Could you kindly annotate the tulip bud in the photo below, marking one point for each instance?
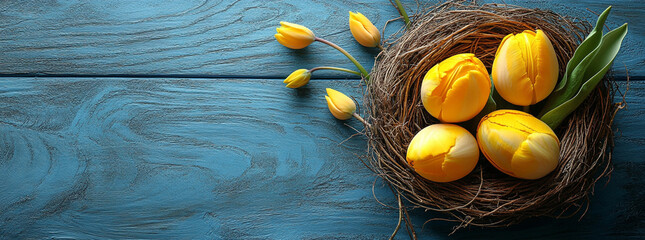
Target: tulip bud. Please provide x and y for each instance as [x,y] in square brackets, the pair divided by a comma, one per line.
[443,152]
[363,30]
[525,69]
[518,144]
[456,89]
[340,105]
[294,36]
[298,78]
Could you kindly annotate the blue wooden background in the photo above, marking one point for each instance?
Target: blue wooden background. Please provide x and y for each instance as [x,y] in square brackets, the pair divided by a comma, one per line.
[169,119]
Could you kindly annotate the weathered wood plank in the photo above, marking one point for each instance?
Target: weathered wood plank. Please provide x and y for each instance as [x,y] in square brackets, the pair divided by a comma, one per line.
[189,158]
[220,38]
[203,158]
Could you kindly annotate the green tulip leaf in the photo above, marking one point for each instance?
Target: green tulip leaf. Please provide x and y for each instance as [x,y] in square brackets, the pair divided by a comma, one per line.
[576,67]
[609,47]
[585,48]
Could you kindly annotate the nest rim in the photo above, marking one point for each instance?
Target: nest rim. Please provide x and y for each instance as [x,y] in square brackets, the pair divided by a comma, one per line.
[486,197]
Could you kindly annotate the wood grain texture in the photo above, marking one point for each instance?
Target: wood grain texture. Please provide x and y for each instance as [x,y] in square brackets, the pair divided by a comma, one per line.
[221,38]
[201,158]
[189,158]
[240,156]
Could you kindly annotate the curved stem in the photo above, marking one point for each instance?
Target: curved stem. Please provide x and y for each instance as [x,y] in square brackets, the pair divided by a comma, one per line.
[362,120]
[335,68]
[404,14]
[358,65]
[380,47]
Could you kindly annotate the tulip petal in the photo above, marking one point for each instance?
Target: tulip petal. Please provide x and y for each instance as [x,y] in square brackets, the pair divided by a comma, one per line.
[361,34]
[283,41]
[295,84]
[363,30]
[527,39]
[537,156]
[525,68]
[499,144]
[501,44]
[299,79]
[340,105]
[295,39]
[335,111]
[369,27]
[520,122]
[431,167]
[456,89]
[342,101]
[466,96]
[294,36]
[547,66]
[518,144]
[459,160]
[510,73]
[300,76]
[443,152]
[297,27]
[431,92]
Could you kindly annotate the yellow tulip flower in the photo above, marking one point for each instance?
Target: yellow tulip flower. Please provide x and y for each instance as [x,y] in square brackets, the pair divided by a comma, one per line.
[443,152]
[518,144]
[456,89]
[363,30]
[298,78]
[294,36]
[525,69]
[340,105]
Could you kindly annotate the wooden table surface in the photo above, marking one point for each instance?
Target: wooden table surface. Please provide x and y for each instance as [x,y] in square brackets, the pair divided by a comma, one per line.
[169,120]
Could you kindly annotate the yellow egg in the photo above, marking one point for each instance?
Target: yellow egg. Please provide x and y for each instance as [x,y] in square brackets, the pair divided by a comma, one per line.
[456,89]
[518,144]
[443,152]
[525,69]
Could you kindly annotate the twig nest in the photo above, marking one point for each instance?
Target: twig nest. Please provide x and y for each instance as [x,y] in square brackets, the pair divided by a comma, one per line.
[486,196]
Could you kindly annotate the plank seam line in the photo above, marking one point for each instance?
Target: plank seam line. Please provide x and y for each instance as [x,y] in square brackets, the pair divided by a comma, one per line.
[204,76]
[40,75]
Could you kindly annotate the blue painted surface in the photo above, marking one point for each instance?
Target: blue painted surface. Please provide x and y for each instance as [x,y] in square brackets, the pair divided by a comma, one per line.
[179,157]
[225,157]
[222,38]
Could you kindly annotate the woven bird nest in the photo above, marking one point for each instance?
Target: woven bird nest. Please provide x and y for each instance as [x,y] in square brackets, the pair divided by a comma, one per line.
[486,197]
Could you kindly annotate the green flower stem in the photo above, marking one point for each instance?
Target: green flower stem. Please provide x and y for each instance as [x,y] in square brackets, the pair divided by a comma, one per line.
[404,14]
[358,65]
[336,69]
